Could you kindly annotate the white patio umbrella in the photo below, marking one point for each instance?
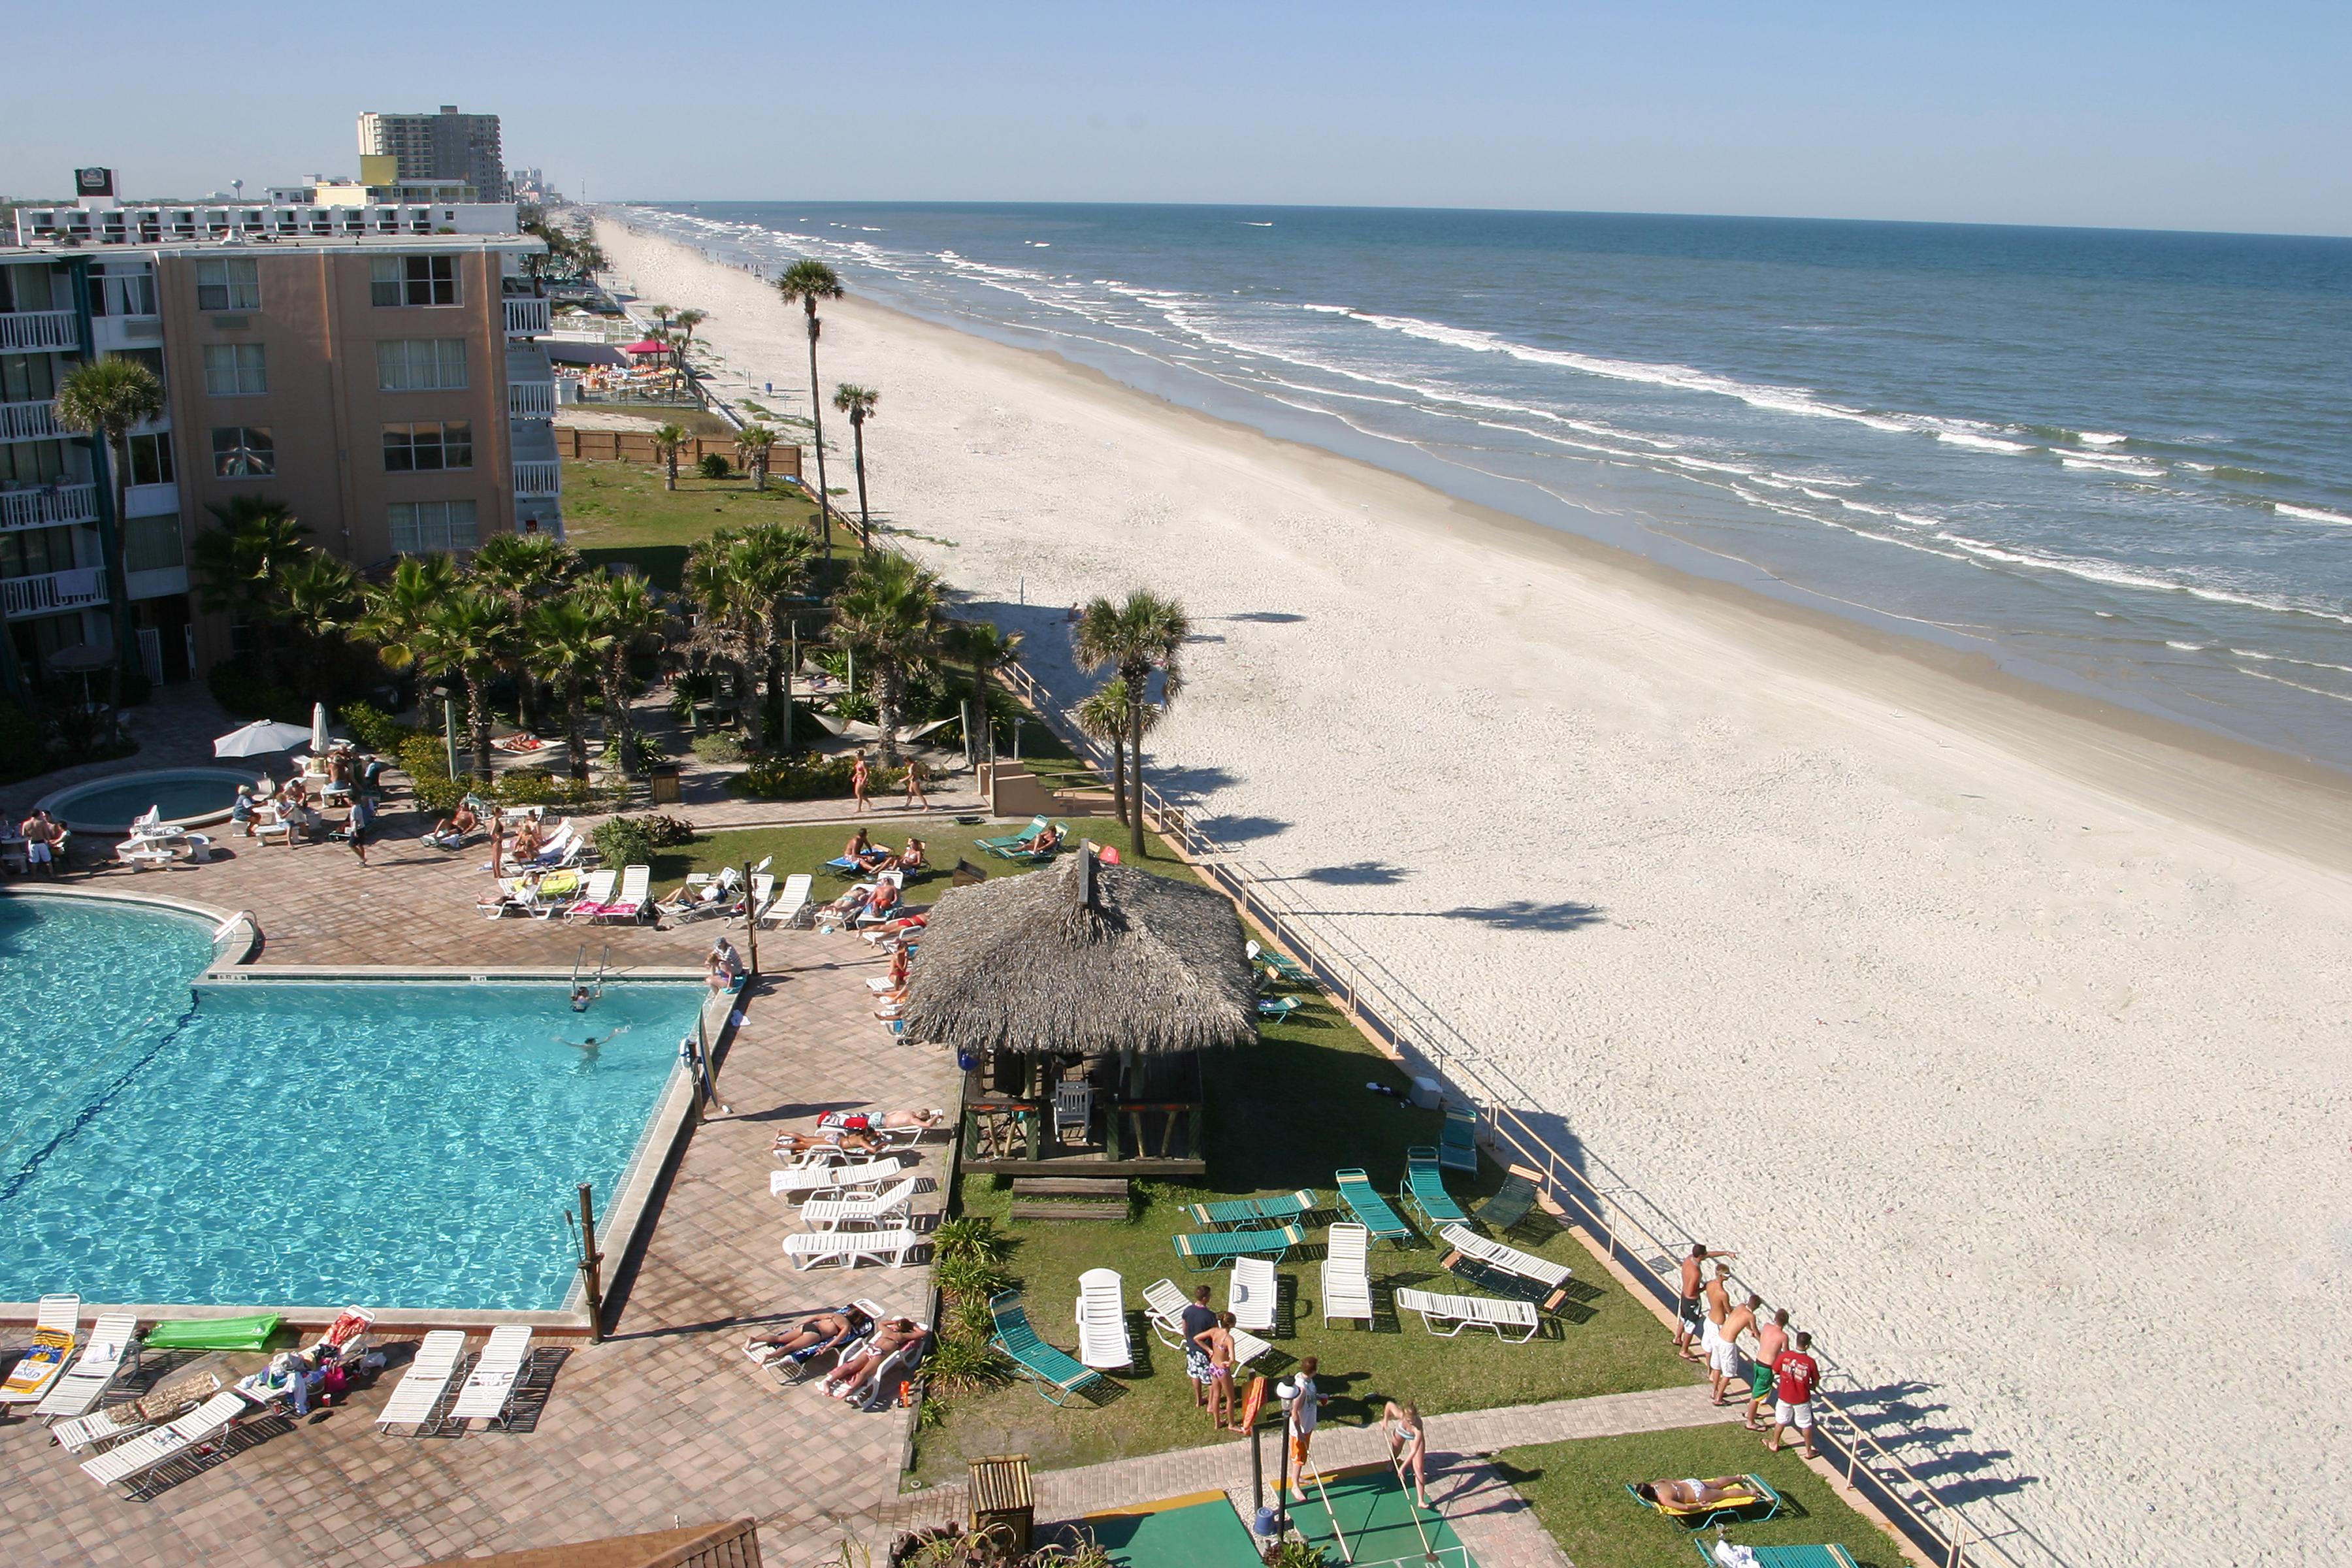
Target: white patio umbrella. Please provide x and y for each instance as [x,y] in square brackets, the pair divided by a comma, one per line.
[317,729]
[259,738]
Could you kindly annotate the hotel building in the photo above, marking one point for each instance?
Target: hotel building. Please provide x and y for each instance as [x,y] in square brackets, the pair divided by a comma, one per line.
[444,146]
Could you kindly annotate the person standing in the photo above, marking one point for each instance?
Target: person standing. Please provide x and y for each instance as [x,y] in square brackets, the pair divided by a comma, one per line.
[1795,1375]
[1198,1318]
[860,775]
[361,826]
[38,853]
[1408,1445]
[1771,1340]
[1219,1343]
[498,845]
[1727,1365]
[915,800]
[1304,1403]
[1687,1309]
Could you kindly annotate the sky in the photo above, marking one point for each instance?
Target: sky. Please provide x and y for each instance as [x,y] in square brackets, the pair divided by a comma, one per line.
[2155,115]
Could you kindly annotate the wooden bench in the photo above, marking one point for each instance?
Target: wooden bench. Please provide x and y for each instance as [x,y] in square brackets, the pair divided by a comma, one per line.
[1070,1197]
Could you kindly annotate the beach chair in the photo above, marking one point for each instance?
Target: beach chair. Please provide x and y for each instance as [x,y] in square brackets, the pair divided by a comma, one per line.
[1253,1293]
[1037,856]
[1074,1107]
[792,906]
[846,1247]
[1514,1321]
[1279,1210]
[412,1403]
[879,1211]
[1752,1502]
[113,1339]
[870,917]
[489,1392]
[789,1372]
[1163,1308]
[1284,968]
[897,1362]
[636,881]
[1203,1252]
[763,898]
[1278,1007]
[1425,1189]
[1509,1206]
[1021,840]
[55,1323]
[1102,1320]
[1371,1210]
[1347,1274]
[1551,1277]
[1055,1374]
[127,1464]
[831,1180]
[595,893]
[101,1427]
[1457,1144]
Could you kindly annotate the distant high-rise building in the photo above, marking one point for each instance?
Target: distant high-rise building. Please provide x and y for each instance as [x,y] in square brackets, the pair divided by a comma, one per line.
[444,146]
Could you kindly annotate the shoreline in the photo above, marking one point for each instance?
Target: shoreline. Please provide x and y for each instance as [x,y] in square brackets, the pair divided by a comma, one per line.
[1955,1002]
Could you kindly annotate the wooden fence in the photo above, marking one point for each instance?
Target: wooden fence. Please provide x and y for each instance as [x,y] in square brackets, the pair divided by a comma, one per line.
[637,447]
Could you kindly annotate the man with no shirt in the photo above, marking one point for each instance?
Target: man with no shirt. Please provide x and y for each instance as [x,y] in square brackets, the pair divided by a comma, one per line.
[1687,1309]
[1727,1365]
[1771,1340]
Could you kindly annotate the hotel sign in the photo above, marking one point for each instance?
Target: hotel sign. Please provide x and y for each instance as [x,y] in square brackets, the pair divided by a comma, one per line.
[93,181]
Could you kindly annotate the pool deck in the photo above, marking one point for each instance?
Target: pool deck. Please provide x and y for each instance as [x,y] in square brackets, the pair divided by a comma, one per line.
[664,1420]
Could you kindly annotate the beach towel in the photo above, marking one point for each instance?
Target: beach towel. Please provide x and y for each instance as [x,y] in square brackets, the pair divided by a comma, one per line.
[40,1365]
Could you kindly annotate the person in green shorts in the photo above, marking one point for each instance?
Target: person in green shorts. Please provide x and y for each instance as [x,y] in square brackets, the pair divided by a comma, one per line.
[1771,1340]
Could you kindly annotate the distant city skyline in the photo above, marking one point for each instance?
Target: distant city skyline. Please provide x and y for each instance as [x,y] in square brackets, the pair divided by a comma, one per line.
[2156,116]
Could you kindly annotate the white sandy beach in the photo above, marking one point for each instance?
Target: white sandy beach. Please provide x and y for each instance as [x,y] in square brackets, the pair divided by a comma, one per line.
[2009,1046]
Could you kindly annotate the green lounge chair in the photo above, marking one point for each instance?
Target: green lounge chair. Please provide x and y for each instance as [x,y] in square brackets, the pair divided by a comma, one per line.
[1278,1007]
[1253,1211]
[1286,969]
[1425,1189]
[1027,856]
[248,1333]
[1371,1209]
[1201,1253]
[1020,840]
[1457,1147]
[1056,1374]
[1757,1495]
[1789,1556]
[1509,1206]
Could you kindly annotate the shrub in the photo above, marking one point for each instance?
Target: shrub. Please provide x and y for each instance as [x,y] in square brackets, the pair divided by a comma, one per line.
[857,707]
[969,1278]
[970,1236]
[799,776]
[958,1365]
[718,746]
[373,729]
[528,787]
[685,690]
[241,689]
[713,466]
[644,752]
[623,841]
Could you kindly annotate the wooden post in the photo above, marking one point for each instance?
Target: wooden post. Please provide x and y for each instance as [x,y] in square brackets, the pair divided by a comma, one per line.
[589,1261]
[751,917]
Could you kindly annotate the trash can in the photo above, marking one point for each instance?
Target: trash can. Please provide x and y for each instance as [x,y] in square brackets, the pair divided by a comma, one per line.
[661,784]
[1001,1500]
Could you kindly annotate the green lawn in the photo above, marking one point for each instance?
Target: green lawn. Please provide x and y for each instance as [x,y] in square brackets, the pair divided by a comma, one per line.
[808,848]
[1577,1491]
[620,511]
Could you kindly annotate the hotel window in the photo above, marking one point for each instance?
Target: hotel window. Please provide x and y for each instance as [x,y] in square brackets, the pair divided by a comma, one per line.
[243,452]
[151,460]
[230,283]
[428,446]
[420,365]
[433,527]
[152,543]
[235,370]
[413,281]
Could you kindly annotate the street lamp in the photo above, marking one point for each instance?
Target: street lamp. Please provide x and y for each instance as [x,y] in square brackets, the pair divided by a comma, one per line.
[448,725]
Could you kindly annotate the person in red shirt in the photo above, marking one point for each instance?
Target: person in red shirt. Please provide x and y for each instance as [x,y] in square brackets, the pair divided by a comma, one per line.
[1794,1375]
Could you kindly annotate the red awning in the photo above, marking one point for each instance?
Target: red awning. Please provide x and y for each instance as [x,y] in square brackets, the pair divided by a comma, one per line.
[647,346]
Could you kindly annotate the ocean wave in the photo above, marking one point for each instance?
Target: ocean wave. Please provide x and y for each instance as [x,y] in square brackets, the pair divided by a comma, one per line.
[2100,439]
[2185,647]
[2115,576]
[2286,659]
[2310,514]
[2094,463]
[1981,443]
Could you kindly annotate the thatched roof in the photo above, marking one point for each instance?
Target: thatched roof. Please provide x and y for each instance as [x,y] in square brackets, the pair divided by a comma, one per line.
[1084,958]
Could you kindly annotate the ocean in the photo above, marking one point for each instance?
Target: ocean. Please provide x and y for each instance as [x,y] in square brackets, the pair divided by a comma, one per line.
[2117,462]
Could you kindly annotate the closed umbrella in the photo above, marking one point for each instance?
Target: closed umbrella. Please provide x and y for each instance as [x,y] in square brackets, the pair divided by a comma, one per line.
[317,729]
[259,738]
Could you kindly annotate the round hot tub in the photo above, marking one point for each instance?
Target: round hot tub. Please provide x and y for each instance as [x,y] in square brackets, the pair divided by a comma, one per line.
[183,797]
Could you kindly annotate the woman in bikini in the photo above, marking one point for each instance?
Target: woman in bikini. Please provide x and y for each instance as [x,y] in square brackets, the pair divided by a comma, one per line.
[1217,1338]
[1408,1445]
[1693,1491]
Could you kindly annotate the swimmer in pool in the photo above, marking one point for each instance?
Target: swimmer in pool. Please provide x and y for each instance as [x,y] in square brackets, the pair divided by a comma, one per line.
[580,997]
[591,1043]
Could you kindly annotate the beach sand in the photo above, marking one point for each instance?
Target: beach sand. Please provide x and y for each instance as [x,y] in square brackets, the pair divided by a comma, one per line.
[2003,1036]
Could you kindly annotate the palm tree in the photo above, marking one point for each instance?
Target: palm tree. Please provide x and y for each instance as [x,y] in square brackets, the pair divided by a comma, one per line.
[237,563]
[752,443]
[987,647]
[859,402]
[322,599]
[627,615]
[468,634]
[103,400]
[404,620]
[565,642]
[890,612]
[668,442]
[728,621]
[806,283]
[525,570]
[687,321]
[770,565]
[1145,634]
[1103,717]
[662,314]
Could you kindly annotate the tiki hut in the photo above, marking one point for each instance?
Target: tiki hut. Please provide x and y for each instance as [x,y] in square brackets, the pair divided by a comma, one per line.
[1079,999]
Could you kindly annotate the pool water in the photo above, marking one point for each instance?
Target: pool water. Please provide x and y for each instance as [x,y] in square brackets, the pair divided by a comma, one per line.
[268,1142]
[113,804]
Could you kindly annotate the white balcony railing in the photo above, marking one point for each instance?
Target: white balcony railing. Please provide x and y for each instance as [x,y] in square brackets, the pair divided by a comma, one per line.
[537,478]
[531,399]
[29,421]
[48,508]
[529,318]
[52,591]
[31,332]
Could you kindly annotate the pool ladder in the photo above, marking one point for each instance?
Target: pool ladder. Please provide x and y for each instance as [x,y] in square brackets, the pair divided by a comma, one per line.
[596,980]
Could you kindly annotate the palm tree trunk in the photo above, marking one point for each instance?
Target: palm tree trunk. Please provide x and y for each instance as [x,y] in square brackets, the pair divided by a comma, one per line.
[816,422]
[118,583]
[759,470]
[670,481]
[985,735]
[891,697]
[754,713]
[575,722]
[1135,744]
[478,719]
[616,708]
[778,692]
[865,522]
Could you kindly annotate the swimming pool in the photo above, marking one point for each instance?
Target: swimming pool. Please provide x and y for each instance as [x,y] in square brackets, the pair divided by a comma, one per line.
[189,797]
[407,1146]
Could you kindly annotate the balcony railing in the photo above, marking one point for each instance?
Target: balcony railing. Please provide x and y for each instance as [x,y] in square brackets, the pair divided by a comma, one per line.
[31,332]
[52,593]
[529,318]
[531,399]
[537,478]
[29,421]
[48,508]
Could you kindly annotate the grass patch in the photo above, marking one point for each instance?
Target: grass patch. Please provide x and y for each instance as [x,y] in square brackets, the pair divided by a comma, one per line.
[1577,1490]
[621,512]
[808,848]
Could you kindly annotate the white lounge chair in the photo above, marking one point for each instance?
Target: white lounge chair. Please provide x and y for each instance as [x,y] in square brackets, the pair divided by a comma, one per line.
[77,1432]
[792,906]
[125,1465]
[1346,1275]
[1552,1277]
[595,893]
[847,1247]
[831,1181]
[763,893]
[113,1339]
[824,1155]
[55,1323]
[1163,1307]
[1102,1320]
[636,882]
[421,1387]
[1250,1293]
[881,1211]
[1461,1311]
[488,1393]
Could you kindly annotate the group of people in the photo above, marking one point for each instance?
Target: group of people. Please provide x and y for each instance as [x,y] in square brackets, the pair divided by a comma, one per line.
[856,1131]
[1782,1375]
[874,858]
[300,807]
[861,780]
[864,1349]
[45,843]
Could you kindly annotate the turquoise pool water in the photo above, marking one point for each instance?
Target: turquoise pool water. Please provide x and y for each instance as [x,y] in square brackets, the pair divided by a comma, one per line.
[112,805]
[267,1142]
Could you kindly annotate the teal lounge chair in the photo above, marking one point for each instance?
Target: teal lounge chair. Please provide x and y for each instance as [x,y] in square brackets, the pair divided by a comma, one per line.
[1253,1211]
[1789,1556]
[1056,1374]
[1457,1148]
[1425,1189]
[1287,970]
[1371,1209]
[1509,1206]
[1278,1007]
[1020,840]
[1028,857]
[1202,1253]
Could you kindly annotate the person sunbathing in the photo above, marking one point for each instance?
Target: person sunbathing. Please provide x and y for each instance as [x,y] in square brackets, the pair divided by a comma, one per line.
[1694,1492]
[882,900]
[846,1141]
[865,852]
[809,1338]
[451,830]
[847,907]
[853,1379]
[910,859]
[1046,843]
[527,841]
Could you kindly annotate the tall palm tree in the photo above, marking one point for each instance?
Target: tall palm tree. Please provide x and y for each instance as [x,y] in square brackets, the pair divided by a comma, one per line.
[806,283]
[1103,716]
[770,565]
[753,445]
[987,647]
[525,570]
[322,600]
[1144,635]
[102,400]
[859,402]
[566,642]
[237,565]
[409,620]
[627,615]
[662,314]
[469,634]
[687,321]
[890,612]
[668,442]
[729,622]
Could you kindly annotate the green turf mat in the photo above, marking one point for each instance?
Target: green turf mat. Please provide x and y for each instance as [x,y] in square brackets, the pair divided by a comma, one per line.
[1202,1535]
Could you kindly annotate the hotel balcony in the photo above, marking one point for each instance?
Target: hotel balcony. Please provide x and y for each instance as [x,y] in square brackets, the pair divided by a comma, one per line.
[35,331]
[530,384]
[533,478]
[52,593]
[529,318]
[29,421]
[49,506]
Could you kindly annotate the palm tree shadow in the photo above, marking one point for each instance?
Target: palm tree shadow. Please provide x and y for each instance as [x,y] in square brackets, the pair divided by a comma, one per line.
[1356,874]
[1527,914]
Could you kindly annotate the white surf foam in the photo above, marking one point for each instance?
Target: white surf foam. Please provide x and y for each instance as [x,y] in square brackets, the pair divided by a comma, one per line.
[2310,514]
[1981,443]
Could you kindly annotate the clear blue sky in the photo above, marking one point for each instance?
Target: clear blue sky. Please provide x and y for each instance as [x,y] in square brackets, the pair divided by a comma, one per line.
[2151,115]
